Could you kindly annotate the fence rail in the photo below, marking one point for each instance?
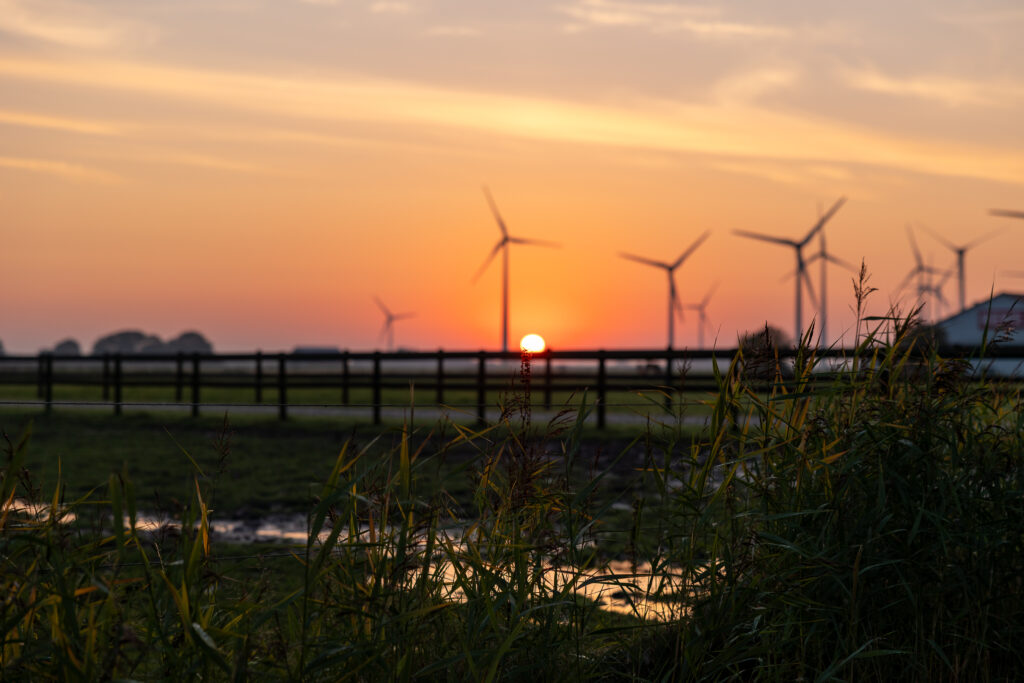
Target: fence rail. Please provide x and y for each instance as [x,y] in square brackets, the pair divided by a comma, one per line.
[441,374]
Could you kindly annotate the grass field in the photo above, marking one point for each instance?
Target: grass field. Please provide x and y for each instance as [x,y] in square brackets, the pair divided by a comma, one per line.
[866,527]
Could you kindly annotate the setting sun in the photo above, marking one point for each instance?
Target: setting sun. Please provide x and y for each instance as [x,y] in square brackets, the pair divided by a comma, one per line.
[532,343]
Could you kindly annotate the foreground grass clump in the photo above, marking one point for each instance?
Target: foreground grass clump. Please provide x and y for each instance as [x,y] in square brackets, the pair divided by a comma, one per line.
[859,523]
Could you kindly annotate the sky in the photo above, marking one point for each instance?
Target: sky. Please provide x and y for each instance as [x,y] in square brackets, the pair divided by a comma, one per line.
[260,170]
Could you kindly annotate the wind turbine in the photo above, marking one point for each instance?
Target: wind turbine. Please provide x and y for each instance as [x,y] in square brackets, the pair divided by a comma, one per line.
[389,319]
[702,314]
[960,251]
[825,257]
[801,265]
[670,269]
[1005,213]
[502,246]
[921,271]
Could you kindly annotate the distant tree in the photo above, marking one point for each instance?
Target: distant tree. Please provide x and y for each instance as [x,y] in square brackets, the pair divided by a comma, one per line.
[190,342]
[68,347]
[129,341]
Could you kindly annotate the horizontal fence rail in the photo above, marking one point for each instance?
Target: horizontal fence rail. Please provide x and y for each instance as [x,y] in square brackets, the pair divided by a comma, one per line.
[459,379]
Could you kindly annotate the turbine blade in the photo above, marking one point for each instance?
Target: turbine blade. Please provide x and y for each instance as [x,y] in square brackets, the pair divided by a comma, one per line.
[487,261]
[810,287]
[978,240]
[824,219]
[1005,213]
[673,295]
[907,280]
[692,248]
[707,297]
[647,261]
[766,238]
[382,307]
[497,214]
[840,262]
[538,243]
[384,330]
[949,245]
[403,316]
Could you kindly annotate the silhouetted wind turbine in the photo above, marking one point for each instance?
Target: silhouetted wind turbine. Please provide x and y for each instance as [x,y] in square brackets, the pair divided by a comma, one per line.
[502,246]
[1005,213]
[702,314]
[960,251]
[801,265]
[826,257]
[389,319]
[670,269]
[921,271]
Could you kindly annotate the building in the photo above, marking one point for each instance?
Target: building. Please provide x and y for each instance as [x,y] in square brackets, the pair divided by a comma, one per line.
[1001,316]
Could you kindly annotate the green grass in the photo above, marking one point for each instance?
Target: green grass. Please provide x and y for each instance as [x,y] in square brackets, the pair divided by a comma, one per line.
[865,527]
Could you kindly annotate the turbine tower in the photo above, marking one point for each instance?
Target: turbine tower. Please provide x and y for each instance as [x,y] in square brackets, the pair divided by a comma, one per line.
[960,251]
[702,314]
[389,323]
[670,269]
[801,265]
[502,246]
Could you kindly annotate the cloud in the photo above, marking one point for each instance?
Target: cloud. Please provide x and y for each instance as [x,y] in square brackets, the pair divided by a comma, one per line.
[59,168]
[663,18]
[70,24]
[729,129]
[14,118]
[752,85]
[952,92]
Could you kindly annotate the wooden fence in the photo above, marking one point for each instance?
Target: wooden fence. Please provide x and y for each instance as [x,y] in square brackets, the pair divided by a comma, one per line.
[438,373]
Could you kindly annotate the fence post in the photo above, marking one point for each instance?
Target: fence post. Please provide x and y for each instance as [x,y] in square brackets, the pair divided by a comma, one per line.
[196,383]
[41,375]
[282,387]
[48,391]
[179,377]
[259,377]
[376,387]
[601,389]
[668,381]
[344,377]
[481,388]
[547,379]
[117,384]
[440,376]
[106,376]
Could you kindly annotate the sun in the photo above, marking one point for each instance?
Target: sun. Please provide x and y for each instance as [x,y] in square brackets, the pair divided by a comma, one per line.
[532,343]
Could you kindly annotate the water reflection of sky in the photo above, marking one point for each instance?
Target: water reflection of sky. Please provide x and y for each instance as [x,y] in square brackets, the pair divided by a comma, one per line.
[618,586]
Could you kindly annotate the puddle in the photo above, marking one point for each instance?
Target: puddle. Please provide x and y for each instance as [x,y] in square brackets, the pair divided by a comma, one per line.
[618,586]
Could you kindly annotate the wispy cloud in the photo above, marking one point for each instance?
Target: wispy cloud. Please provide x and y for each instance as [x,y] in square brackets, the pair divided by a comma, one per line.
[749,86]
[786,173]
[17,118]
[70,24]
[731,129]
[59,168]
[663,17]
[953,92]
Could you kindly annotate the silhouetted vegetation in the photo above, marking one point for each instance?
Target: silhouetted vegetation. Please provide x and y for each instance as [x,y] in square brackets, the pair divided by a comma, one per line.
[860,525]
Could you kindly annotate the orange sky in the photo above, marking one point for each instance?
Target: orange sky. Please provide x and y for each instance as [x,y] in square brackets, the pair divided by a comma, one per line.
[260,170]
